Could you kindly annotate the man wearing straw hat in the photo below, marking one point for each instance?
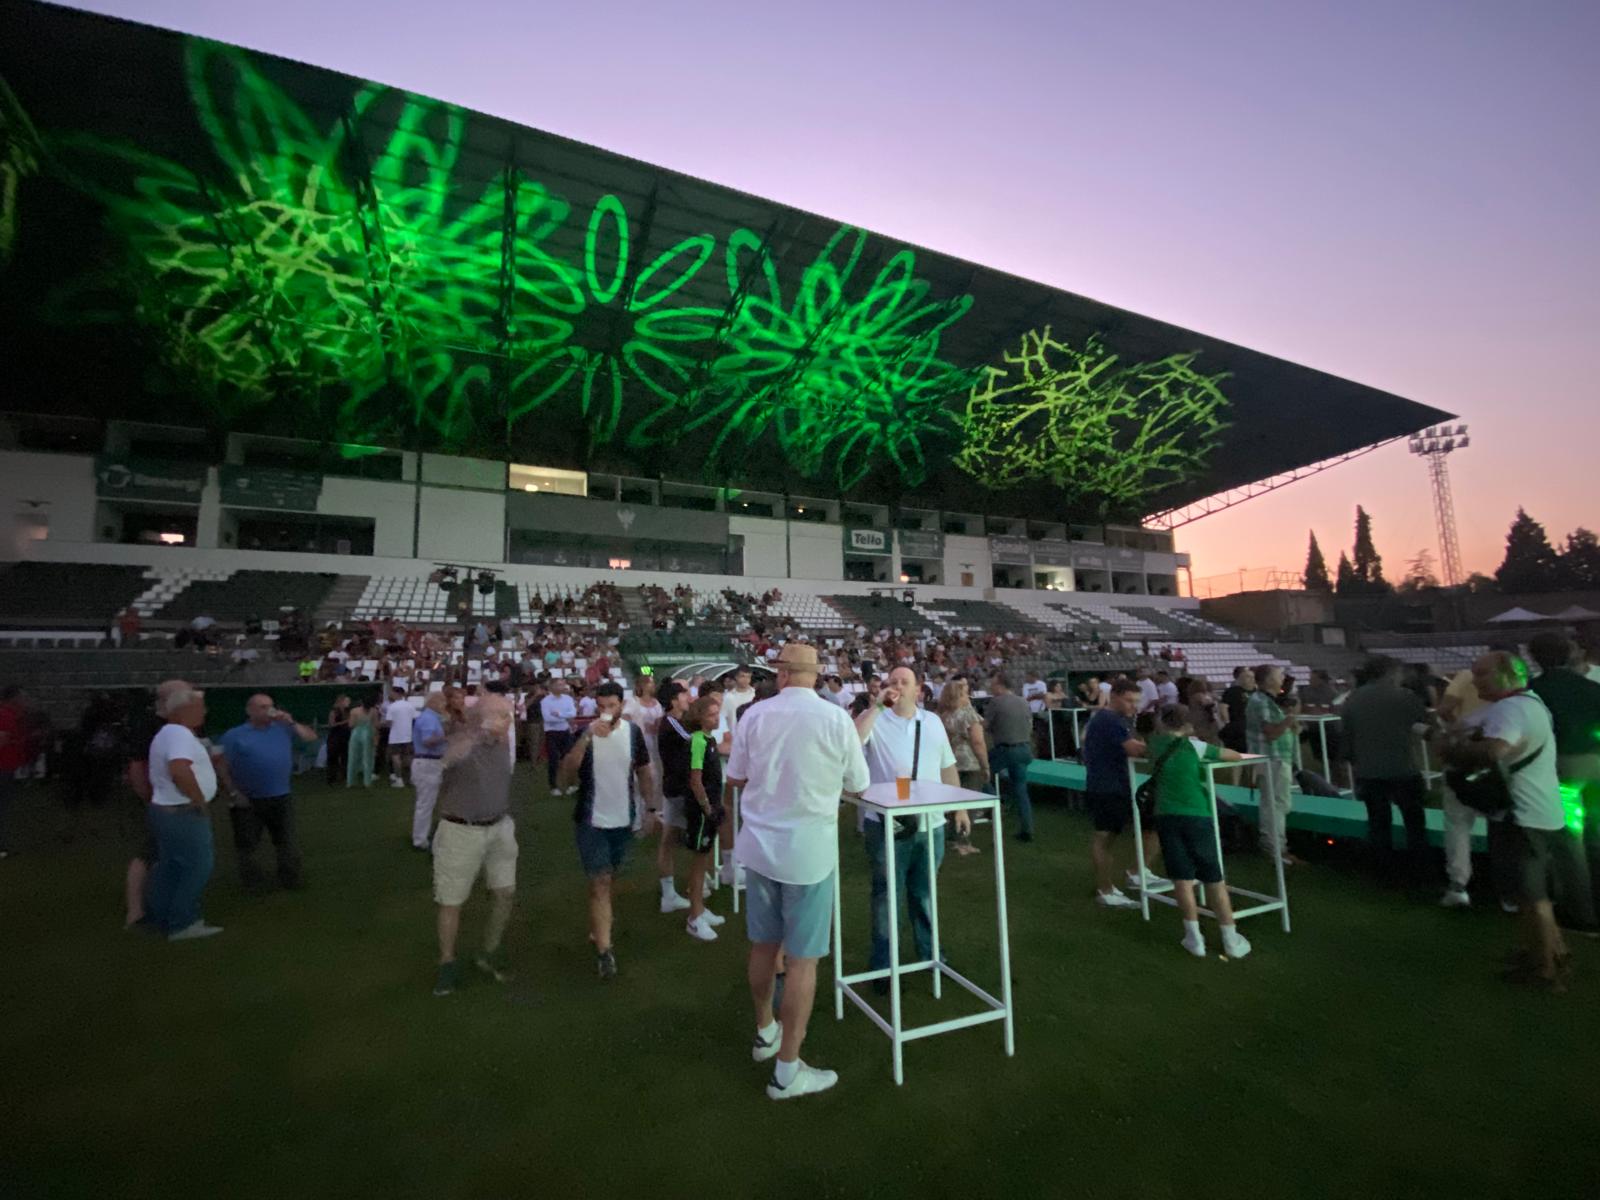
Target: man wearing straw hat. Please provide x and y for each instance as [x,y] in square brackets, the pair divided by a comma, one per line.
[793,756]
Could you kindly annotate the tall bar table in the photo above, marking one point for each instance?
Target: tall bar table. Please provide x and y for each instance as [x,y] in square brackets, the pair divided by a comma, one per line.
[929,803]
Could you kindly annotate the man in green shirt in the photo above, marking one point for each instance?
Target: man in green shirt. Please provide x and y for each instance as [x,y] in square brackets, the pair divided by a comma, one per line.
[1185,822]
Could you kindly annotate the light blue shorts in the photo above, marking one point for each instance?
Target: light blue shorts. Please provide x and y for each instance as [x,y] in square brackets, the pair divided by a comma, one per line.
[800,915]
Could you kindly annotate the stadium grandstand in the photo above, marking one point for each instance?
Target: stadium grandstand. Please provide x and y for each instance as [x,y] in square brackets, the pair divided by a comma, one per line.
[353,332]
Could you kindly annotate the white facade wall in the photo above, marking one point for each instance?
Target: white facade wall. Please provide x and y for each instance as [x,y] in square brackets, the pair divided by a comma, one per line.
[59,487]
[459,525]
[392,507]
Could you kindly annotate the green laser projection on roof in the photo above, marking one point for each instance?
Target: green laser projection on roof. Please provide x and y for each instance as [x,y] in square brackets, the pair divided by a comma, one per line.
[191,232]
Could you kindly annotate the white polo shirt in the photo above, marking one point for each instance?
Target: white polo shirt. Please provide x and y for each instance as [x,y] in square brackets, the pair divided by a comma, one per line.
[893,739]
[797,753]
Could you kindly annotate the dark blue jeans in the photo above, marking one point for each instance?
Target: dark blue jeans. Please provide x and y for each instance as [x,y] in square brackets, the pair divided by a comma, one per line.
[913,883]
[556,744]
[1012,762]
[184,858]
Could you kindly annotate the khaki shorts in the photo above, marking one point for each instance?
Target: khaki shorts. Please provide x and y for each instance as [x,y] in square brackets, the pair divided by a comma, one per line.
[461,851]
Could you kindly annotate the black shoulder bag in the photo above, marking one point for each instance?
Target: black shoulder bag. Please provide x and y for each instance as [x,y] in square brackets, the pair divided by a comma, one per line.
[1146,795]
[1487,789]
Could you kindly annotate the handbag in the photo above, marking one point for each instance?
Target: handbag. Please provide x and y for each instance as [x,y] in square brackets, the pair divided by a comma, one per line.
[1145,795]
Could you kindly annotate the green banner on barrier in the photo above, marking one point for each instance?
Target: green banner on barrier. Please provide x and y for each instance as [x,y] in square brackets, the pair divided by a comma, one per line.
[131,478]
[270,487]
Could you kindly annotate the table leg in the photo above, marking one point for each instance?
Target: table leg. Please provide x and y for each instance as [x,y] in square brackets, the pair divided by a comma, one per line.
[1050,725]
[733,816]
[933,898]
[1138,844]
[838,940]
[894,948]
[1283,887]
[1322,739]
[1005,931]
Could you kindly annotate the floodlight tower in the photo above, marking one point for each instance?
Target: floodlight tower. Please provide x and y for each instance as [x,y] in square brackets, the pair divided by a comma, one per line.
[1433,443]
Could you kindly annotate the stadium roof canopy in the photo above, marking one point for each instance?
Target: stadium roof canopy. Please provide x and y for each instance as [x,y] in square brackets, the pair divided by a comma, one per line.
[199,232]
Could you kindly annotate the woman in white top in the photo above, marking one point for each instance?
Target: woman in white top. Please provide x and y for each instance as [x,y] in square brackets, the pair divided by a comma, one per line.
[182,784]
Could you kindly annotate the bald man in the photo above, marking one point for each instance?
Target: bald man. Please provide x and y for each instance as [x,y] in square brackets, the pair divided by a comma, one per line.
[257,761]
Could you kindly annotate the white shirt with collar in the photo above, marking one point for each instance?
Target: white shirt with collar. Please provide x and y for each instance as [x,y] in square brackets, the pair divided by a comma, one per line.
[798,754]
[557,712]
[890,745]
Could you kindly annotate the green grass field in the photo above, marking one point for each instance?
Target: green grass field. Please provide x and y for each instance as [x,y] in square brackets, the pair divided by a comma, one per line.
[1372,1053]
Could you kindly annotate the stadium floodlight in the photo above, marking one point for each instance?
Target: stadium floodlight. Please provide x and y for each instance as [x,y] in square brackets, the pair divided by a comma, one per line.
[1433,444]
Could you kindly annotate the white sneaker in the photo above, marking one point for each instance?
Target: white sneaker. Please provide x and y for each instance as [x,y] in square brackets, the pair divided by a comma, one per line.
[1195,944]
[806,1081]
[1455,898]
[396,781]
[712,919]
[708,888]
[732,878]
[674,903]
[762,1051]
[1510,907]
[700,930]
[1115,898]
[1234,944]
[1151,880]
[198,930]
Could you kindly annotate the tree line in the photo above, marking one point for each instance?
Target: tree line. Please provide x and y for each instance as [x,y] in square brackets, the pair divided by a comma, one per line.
[1532,564]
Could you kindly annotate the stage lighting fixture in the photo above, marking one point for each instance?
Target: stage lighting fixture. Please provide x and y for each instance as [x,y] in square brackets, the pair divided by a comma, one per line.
[485,583]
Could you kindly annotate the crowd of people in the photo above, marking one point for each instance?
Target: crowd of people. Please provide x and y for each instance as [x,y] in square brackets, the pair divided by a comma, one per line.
[662,764]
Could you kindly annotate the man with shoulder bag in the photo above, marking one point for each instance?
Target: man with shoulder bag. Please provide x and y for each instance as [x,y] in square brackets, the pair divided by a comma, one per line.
[1505,767]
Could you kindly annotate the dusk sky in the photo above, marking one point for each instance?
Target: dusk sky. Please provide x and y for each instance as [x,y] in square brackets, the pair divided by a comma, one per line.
[1406,193]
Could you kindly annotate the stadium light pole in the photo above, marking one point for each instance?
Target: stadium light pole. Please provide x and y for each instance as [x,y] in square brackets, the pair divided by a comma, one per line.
[1434,444]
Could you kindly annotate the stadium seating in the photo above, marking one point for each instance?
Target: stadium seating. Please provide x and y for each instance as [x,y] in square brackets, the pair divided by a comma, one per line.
[880,612]
[982,616]
[67,593]
[239,595]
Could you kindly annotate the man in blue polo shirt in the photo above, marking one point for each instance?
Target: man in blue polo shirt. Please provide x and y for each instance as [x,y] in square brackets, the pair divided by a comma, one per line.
[259,759]
[1108,743]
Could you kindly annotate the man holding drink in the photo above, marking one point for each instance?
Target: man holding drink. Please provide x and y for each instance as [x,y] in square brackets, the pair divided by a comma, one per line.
[903,743]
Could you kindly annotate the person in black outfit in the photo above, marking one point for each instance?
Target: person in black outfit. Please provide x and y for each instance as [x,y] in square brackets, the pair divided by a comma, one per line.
[338,739]
[1235,698]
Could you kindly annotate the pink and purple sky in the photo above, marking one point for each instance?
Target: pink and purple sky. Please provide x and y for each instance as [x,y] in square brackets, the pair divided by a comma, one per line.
[1406,194]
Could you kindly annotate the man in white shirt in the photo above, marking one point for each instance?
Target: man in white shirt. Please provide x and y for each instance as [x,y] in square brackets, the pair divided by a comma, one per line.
[557,710]
[1166,690]
[1149,696]
[737,696]
[1033,691]
[1514,732]
[398,714]
[643,711]
[793,756]
[900,738]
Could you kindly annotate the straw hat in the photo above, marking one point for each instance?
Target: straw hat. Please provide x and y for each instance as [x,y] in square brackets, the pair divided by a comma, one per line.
[798,657]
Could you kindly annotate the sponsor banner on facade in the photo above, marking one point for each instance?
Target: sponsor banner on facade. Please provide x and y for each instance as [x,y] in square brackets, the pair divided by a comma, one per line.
[269,487]
[866,541]
[1013,551]
[130,478]
[1052,552]
[921,543]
